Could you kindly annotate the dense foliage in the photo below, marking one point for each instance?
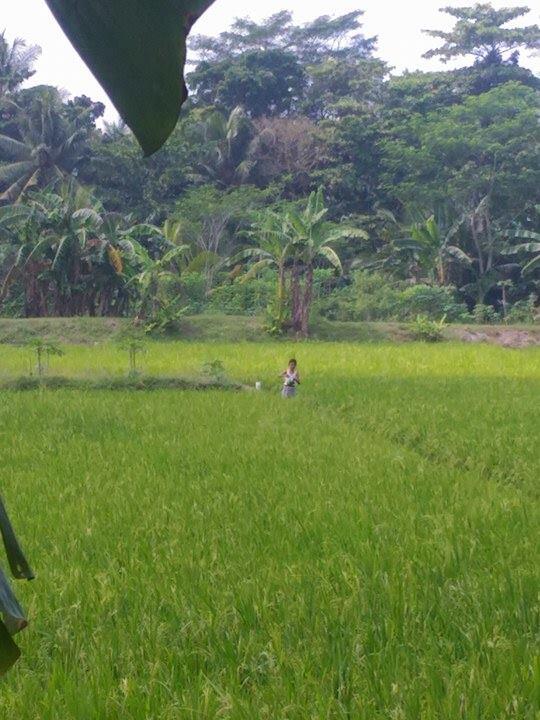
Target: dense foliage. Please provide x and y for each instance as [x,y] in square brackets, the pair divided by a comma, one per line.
[303,174]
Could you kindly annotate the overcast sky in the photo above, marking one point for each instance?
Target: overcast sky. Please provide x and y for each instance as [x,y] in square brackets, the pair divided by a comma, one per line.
[397,24]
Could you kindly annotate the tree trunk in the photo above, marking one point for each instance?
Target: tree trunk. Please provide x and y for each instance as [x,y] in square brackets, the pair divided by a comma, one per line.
[477,245]
[281,290]
[296,297]
[441,270]
[306,302]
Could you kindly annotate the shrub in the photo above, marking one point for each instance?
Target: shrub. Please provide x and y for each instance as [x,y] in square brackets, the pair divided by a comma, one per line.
[430,301]
[193,292]
[166,318]
[428,330]
[214,369]
[374,296]
[523,311]
[243,298]
[485,314]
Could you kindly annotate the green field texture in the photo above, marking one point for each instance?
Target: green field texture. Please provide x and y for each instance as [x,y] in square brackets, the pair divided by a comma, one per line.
[366,551]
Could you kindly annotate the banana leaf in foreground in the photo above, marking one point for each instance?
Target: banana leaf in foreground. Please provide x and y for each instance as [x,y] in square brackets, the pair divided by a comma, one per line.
[137,51]
[13,616]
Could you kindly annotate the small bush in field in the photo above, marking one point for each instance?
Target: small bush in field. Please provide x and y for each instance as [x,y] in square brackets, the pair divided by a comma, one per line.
[428,330]
[44,350]
[132,342]
[215,370]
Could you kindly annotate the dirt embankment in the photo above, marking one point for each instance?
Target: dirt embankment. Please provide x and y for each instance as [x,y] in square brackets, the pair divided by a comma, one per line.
[496,335]
[227,328]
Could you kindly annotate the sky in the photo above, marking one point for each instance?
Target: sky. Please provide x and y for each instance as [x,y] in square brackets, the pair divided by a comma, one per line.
[398,26]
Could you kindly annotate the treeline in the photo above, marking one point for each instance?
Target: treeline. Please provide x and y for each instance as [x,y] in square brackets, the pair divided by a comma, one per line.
[302,174]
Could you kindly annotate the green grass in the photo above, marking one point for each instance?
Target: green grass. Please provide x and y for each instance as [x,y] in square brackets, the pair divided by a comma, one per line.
[229,328]
[367,551]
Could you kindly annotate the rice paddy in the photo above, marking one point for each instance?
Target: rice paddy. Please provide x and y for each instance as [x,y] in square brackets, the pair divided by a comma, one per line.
[367,551]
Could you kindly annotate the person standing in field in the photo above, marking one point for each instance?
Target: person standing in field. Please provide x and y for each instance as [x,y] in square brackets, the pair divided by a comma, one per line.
[291,379]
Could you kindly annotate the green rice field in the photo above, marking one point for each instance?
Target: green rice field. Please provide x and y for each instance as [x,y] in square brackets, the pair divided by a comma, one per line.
[366,551]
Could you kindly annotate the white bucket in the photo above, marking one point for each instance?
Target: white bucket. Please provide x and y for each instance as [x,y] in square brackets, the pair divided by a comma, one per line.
[258,385]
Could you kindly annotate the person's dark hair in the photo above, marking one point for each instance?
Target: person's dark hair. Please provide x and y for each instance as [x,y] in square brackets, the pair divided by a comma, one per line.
[292,360]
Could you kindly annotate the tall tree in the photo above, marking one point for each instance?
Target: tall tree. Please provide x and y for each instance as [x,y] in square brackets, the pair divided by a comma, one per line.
[286,152]
[467,151]
[480,32]
[244,35]
[324,37]
[264,82]
[271,66]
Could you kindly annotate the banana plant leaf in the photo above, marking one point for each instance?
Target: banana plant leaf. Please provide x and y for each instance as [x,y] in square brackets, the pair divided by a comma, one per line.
[137,51]
[14,619]
[12,612]
[17,561]
[9,652]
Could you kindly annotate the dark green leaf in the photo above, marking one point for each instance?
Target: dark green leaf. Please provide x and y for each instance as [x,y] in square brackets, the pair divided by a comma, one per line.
[9,652]
[17,562]
[12,612]
[137,51]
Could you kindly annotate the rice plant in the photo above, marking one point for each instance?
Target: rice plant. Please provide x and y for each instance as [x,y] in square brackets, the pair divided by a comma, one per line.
[368,551]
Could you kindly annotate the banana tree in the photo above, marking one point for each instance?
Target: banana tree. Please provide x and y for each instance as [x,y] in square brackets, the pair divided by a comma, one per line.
[21,227]
[431,248]
[529,249]
[68,254]
[155,276]
[311,238]
[137,51]
[272,249]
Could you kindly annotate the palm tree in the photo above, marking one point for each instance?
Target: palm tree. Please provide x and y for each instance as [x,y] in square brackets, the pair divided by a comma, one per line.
[49,147]
[311,236]
[225,142]
[16,61]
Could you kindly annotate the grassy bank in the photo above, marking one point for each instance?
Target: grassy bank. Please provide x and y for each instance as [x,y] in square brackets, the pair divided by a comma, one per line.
[229,328]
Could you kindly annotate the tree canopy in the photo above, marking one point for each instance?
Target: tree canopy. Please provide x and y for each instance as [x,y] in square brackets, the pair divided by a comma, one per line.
[434,175]
[480,32]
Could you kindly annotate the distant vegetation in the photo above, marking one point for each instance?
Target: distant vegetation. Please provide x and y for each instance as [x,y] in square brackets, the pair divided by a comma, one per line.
[304,179]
